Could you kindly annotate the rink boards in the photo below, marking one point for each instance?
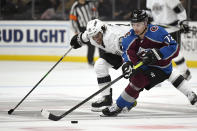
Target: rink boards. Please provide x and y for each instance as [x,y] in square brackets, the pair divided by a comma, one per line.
[48,40]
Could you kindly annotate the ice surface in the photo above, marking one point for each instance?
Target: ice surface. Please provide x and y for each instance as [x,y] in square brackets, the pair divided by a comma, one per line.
[162,108]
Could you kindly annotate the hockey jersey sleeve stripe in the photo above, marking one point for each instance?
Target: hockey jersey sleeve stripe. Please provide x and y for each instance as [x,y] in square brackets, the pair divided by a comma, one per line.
[156,41]
[125,48]
[169,51]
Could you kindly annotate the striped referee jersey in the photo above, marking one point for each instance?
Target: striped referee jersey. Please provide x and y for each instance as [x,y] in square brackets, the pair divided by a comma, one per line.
[80,14]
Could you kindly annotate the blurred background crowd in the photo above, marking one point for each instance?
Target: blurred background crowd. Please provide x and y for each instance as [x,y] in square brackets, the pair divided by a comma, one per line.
[59,9]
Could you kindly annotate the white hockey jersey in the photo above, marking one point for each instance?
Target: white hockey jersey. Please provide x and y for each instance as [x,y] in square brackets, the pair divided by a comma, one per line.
[111,38]
[163,13]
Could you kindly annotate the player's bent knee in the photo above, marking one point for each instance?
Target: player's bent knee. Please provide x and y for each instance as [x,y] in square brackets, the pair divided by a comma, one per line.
[101,68]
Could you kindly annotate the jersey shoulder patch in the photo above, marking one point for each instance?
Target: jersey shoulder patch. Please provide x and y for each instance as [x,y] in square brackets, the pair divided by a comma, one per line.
[154,28]
[156,33]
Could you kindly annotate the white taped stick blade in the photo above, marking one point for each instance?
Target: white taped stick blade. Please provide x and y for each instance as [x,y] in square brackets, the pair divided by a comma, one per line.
[45,113]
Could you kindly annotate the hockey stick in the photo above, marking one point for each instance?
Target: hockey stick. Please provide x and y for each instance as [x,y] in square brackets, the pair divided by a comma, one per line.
[53,117]
[11,110]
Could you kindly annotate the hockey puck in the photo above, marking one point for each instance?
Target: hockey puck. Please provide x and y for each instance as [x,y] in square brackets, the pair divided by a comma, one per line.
[74,122]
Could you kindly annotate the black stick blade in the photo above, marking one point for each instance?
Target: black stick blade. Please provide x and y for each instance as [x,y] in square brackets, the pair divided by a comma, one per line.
[10,111]
[54,117]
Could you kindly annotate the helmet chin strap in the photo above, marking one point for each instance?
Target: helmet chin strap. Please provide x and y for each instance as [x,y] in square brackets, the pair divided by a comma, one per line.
[143,31]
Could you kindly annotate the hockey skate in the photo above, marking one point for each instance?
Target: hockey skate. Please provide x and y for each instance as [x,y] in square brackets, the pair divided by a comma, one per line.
[114,110]
[187,75]
[193,98]
[102,103]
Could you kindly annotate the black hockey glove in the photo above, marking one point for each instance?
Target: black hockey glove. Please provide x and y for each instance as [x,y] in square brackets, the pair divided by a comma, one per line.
[151,56]
[184,27]
[76,41]
[127,69]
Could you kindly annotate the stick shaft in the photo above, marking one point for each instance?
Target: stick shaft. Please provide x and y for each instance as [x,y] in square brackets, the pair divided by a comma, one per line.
[90,97]
[56,118]
[41,79]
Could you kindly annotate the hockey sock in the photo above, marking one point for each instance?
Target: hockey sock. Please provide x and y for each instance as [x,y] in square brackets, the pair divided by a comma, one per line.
[103,81]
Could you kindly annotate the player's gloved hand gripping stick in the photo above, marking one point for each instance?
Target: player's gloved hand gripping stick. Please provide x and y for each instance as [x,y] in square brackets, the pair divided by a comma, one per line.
[53,117]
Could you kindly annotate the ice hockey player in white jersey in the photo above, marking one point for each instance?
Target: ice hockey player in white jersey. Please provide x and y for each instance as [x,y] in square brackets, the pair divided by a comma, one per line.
[107,37]
[171,13]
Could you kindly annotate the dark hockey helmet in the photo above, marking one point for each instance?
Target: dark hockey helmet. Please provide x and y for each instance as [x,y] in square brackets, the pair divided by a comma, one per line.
[138,16]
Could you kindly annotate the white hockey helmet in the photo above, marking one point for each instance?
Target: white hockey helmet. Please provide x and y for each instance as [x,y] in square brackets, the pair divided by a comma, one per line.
[94,27]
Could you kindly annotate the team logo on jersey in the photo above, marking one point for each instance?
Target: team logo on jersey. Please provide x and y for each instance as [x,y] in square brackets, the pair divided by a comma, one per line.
[154,28]
[152,74]
[141,52]
[157,8]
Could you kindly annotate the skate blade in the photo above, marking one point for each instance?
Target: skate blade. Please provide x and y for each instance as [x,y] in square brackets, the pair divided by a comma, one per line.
[94,109]
[102,115]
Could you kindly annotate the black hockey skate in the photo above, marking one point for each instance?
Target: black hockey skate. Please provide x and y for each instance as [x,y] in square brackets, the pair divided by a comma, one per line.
[193,98]
[187,75]
[114,110]
[102,103]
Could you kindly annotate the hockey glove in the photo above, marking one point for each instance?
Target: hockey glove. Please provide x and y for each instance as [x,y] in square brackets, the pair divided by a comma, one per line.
[151,56]
[184,27]
[127,69]
[76,41]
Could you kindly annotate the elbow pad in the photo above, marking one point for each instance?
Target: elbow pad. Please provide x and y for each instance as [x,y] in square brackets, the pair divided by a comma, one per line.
[179,8]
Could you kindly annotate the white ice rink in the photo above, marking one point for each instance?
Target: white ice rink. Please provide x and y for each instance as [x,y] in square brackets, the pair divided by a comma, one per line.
[160,109]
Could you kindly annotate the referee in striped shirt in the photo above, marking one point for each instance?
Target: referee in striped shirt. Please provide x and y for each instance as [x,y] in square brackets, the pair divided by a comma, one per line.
[81,12]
